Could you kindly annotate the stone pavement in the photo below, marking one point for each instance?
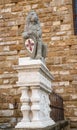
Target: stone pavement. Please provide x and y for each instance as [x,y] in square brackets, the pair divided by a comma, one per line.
[74,129]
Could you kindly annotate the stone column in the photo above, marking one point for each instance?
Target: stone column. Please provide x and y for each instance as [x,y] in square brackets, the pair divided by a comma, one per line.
[35,108]
[25,108]
[35,77]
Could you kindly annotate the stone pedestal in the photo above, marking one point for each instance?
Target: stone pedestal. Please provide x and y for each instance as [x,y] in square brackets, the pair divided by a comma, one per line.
[34,80]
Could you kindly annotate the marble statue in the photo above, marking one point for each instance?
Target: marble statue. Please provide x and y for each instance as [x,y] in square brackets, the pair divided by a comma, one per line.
[34,78]
[33,37]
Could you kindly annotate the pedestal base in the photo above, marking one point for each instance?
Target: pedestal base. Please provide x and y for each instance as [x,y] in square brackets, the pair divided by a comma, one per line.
[34,80]
[39,124]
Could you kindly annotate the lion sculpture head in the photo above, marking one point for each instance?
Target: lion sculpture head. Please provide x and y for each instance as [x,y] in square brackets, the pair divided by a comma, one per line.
[33,25]
[32,18]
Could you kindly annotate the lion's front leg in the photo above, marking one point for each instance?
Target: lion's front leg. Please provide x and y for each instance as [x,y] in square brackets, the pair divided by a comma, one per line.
[39,51]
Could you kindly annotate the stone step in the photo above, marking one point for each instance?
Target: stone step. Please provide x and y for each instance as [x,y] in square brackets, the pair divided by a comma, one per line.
[61,125]
[74,129]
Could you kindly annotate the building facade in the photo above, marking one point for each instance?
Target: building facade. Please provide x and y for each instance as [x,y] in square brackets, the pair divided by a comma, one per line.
[58,26]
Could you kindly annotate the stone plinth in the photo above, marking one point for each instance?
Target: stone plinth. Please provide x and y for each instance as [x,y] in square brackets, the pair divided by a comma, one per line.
[61,125]
[34,80]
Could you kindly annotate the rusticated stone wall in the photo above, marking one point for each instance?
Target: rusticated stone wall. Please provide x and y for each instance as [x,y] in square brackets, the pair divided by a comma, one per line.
[56,18]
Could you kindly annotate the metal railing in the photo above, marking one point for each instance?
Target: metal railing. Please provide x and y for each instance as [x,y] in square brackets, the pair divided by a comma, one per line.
[56,104]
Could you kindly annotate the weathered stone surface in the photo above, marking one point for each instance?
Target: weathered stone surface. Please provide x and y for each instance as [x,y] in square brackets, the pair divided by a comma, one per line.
[57,23]
[33,37]
[34,80]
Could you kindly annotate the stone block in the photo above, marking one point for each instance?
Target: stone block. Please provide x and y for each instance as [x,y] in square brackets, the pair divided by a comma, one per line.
[55,38]
[6,113]
[56,23]
[6,10]
[65,27]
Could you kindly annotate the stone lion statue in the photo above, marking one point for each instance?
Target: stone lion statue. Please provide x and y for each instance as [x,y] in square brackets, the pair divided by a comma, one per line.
[33,30]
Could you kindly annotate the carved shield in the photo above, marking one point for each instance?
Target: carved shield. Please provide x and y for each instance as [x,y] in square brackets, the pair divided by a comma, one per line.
[30,45]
